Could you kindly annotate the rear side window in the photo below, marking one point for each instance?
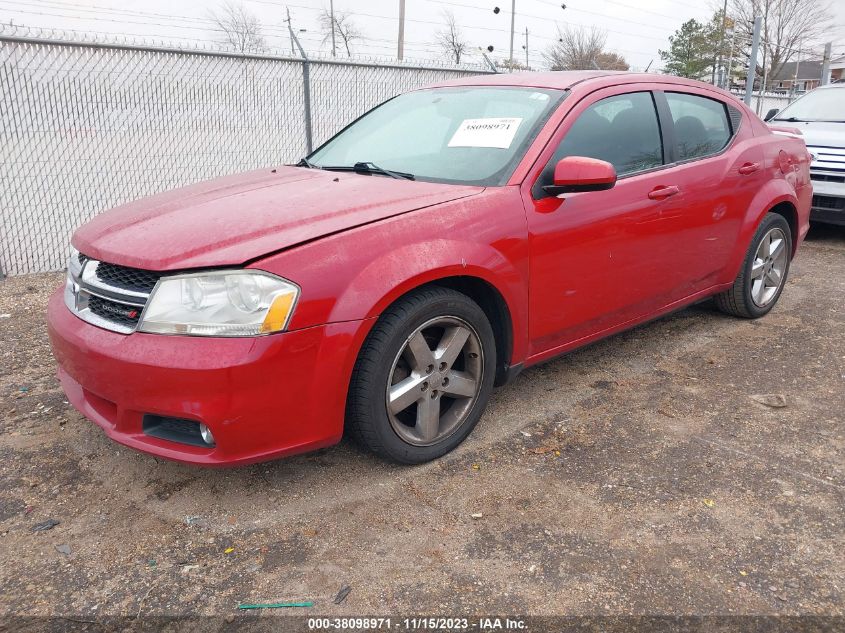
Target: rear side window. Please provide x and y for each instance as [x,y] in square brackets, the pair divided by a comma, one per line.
[702,126]
[622,130]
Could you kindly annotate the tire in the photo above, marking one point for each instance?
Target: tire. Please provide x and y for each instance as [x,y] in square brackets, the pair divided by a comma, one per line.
[393,369]
[747,298]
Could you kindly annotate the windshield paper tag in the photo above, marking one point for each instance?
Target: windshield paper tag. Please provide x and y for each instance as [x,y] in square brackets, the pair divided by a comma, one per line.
[498,132]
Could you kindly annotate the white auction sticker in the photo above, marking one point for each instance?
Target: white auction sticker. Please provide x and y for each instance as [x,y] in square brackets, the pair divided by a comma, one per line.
[492,132]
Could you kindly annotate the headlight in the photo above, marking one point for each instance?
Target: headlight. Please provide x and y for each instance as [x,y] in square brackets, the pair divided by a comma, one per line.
[74,272]
[74,263]
[225,303]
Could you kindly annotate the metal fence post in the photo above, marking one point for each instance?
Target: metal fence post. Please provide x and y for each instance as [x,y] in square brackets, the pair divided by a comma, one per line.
[306,90]
[752,60]
[73,104]
[489,63]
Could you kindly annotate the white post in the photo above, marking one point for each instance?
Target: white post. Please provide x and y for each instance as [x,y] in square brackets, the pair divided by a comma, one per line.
[331,16]
[401,46]
[526,48]
[826,64]
[752,60]
[513,17]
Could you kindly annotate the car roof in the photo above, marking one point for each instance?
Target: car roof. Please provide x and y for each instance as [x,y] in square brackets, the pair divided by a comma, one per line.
[562,80]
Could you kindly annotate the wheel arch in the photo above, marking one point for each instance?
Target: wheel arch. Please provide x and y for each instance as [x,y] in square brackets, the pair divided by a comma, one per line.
[496,282]
[789,211]
[478,288]
[491,301]
[775,197]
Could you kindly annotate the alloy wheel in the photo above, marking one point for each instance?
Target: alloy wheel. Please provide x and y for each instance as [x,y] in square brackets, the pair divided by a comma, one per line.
[769,267]
[434,381]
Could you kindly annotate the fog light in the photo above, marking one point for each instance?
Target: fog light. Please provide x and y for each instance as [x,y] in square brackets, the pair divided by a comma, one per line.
[206,435]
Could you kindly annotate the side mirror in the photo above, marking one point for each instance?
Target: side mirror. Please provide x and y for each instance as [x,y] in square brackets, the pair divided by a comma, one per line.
[579,173]
[771,114]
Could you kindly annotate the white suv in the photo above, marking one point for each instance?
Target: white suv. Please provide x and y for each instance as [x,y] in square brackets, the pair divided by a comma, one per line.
[820,115]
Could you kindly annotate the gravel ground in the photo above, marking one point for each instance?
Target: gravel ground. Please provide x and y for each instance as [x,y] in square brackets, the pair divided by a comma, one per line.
[641,475]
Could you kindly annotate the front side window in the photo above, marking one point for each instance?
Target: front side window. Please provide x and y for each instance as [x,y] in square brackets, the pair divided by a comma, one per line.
[701,125]
[462,135]
[621,130]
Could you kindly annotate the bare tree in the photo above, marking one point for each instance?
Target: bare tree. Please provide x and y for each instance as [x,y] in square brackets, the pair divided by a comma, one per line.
[582,49]
[451,39]
[344,28]
[787,25]
[239,29]
[611,61]
[509,65]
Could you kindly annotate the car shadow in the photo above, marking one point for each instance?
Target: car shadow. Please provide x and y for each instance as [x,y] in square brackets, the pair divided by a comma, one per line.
[833,234]
[328,479]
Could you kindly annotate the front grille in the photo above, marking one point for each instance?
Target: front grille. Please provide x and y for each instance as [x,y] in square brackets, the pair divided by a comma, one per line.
[133,279]
[828,203]
[115,312]
[827,159]
[827,177]
[108,295]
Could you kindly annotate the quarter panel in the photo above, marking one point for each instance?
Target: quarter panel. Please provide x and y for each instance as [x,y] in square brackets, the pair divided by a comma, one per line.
[770,194]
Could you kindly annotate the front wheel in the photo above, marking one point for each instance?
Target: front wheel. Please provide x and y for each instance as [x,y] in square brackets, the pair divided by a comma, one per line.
[423,377]
[758,286]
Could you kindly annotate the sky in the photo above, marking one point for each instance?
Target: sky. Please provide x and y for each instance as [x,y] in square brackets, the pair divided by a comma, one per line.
[636,29]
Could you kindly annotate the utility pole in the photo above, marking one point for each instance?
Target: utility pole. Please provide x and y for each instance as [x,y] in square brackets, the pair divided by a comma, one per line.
[765,61]
[722,38]
[826,65]
[513,18]
[730,67]
[752,60]
[401,49]
[526,48]
[331,15]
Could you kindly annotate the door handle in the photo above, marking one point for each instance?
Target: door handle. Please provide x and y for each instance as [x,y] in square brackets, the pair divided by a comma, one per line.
[660,193]
[749,168]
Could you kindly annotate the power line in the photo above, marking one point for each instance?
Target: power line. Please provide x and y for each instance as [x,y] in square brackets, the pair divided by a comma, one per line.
[206,21]
[545,18]
[181,39]
[210,25]
[622,4]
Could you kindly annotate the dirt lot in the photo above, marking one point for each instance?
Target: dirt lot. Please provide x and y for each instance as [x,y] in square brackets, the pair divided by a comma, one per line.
[639,475]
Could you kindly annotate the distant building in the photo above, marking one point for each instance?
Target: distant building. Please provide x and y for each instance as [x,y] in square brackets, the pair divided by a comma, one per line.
[800,76]
[837,69]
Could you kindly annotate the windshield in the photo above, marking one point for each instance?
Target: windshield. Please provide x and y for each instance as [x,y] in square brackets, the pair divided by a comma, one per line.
[459,135]
[827,104]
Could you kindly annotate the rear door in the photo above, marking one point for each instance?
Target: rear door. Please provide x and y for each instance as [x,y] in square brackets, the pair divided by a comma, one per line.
[717,167]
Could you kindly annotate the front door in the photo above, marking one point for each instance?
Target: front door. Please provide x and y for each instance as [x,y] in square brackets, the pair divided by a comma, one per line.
[600,259]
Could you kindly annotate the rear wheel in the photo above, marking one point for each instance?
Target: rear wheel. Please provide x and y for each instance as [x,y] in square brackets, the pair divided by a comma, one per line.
[758,286]
[423,377]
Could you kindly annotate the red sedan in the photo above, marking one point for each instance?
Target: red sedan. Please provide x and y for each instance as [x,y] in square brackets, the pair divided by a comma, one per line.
[428,252]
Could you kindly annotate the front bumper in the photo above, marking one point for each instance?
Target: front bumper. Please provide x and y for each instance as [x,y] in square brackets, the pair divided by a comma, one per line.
[262,397]
[828,202]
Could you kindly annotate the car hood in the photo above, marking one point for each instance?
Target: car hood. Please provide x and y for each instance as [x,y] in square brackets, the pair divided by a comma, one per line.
[235,219]
[819,133]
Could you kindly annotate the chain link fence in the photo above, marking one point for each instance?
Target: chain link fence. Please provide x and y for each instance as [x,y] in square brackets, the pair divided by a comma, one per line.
[88,126]
[762,103]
